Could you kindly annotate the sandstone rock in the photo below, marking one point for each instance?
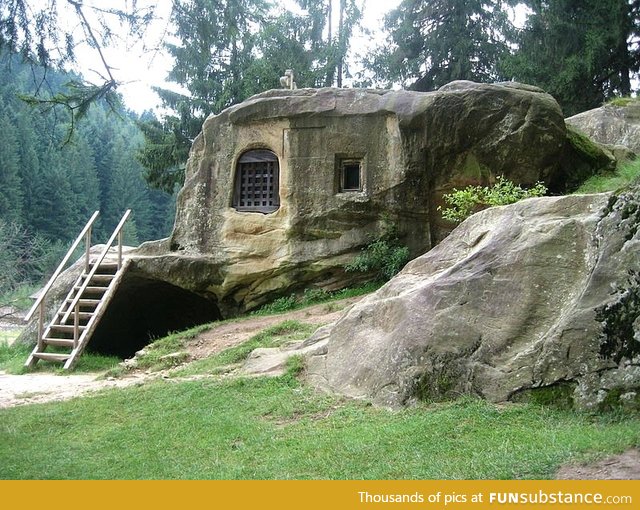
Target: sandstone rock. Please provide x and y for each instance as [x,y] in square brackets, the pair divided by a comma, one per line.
[411,147]
[538,294]
[611,125]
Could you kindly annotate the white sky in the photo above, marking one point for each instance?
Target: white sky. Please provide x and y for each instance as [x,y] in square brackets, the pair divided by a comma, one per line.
[142,65]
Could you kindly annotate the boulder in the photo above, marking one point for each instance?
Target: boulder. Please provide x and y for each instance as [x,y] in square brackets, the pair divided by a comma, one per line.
[540,295]
[410,148]
[614,125]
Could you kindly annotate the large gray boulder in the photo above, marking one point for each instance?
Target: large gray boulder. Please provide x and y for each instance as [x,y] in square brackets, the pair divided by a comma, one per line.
[544,293]
[612,125]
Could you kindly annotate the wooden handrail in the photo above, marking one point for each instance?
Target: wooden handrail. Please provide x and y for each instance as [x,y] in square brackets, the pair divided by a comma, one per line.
[96,264]
[57,272]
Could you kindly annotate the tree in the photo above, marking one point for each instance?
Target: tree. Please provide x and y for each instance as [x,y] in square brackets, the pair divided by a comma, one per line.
[582,52]
[33,29]
[10,182]
[230,50]
[437,41]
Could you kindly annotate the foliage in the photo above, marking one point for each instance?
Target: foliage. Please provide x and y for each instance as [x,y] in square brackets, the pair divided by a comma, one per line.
[313,297]
[623,101]
[18,298]
[229,50]
[601,183]
[581,52]
[37,34]
[12,357]
[432,43]
[280,305]
[48,189]
[463,203]
[384,256]
[273,428]
[24,257]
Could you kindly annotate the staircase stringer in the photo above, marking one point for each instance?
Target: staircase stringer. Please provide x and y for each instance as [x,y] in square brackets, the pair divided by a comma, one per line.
[40,347]
[90,327]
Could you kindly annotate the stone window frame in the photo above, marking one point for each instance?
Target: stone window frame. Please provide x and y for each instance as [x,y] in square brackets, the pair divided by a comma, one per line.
[257,167]
[344,162]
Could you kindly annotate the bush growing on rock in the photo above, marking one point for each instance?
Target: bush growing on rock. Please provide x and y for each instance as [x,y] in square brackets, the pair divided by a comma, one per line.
[463,203]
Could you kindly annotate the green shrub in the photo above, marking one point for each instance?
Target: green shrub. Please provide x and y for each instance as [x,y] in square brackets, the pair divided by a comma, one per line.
[313,296]
[282,304]
[622,101]
[463,203]
[384,256]
[381,256]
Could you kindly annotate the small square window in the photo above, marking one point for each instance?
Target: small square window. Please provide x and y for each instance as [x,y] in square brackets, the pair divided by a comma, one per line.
[351,175]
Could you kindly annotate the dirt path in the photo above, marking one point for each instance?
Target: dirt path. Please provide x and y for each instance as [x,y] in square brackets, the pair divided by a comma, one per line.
[625,466]
[46,387]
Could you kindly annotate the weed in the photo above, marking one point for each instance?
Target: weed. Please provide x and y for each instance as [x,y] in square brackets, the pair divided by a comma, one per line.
[12,357]
[314,296]
[384,256]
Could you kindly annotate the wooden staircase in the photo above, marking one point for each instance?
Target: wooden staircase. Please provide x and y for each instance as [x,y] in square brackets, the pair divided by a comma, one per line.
[71,327]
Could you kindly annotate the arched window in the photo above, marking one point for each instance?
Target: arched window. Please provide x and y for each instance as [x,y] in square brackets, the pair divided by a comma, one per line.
[256,183]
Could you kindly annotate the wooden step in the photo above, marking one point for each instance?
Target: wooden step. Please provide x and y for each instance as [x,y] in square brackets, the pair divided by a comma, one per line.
[64,328]
[49,356]
[85,302]
[107,267]
[81,315]
[59,342]
[92,289]
[104,278]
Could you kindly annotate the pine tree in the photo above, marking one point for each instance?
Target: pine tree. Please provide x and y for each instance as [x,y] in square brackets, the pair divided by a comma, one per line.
[433,42]
[580,51]
[10,182]
[230,50]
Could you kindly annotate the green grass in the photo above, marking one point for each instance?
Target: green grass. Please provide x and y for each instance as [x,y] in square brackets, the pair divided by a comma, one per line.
[313,297]
[623,101]
[12,359]
[274,428]
[8,336]
[612,182]
[274,336]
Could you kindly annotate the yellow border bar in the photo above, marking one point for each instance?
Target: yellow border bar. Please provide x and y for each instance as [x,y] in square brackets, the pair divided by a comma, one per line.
[432,494]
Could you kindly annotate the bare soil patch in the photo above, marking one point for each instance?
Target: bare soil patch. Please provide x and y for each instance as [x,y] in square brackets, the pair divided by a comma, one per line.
[625,466]
[230,334]
[41,387]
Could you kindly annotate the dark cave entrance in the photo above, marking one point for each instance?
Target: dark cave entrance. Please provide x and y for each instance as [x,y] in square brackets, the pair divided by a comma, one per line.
[143,309]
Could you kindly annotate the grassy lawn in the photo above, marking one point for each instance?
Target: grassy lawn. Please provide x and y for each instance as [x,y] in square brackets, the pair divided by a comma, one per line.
[275,428]
[13,357]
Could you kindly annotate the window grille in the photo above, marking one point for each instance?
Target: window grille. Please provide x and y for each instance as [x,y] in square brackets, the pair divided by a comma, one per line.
[256,187]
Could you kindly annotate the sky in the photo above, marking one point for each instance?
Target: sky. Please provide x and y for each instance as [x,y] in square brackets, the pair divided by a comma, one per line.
[141,64]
